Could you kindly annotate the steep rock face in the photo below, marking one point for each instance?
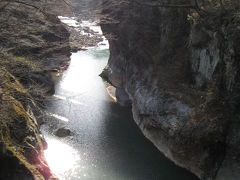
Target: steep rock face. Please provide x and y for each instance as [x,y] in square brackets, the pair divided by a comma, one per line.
[178,74]
[21,143]
[33,44]
[215,57]
[27,30]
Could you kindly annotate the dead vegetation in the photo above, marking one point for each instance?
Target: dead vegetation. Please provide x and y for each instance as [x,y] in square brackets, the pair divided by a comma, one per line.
[19,132]
[30,38]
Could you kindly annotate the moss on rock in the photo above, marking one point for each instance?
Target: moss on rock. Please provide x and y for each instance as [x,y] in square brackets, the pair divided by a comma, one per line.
[20,136]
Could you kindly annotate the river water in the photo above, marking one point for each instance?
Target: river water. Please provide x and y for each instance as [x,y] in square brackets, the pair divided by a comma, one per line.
[106,144]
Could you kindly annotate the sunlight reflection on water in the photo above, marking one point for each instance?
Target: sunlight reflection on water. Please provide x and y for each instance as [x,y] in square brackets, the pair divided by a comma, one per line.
[81,70]
[61,157]
[106,144]
[78,81]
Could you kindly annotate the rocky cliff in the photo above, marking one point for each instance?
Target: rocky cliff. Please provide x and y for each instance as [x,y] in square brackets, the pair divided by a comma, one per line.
[21,143]
[177,62]
[33,44]
[28,30]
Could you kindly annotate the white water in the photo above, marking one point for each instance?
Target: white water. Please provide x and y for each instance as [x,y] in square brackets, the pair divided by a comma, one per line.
[72,22]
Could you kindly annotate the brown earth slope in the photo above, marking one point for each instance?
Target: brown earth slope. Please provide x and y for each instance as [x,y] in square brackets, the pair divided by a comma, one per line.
[33,43]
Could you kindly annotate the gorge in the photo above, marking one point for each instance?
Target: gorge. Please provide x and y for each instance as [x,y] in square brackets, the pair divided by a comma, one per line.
[174,63]
[181,77]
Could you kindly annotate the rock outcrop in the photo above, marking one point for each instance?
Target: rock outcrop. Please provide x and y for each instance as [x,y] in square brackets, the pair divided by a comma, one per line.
[62,132]
[27,30]
[33,45]
[180,69]
[21,143]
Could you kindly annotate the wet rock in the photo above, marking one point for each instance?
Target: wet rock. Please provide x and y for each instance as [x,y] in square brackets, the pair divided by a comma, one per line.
[112,92]
[78,40]
[63,132]
[104,74]
[122,97]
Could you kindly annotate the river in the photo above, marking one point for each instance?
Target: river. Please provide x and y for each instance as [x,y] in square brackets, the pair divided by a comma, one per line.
[106,144]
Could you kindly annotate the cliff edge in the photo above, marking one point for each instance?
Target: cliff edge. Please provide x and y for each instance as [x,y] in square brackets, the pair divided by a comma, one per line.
[33,44]
[177,62]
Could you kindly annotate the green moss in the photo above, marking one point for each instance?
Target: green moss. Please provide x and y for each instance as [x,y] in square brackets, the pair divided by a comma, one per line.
[18,153]
[19,132]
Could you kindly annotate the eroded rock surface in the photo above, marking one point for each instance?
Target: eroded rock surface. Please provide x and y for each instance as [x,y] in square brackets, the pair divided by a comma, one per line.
[21,142]
[33,45]
[27,30]
[179,67]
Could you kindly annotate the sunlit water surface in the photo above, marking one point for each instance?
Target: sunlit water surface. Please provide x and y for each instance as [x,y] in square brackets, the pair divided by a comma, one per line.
[106,144]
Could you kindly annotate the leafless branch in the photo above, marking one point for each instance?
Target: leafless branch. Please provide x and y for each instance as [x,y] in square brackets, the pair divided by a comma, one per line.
[166,5]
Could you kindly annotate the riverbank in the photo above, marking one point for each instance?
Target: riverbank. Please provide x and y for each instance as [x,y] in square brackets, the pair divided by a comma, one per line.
[30,59]
[34,45]
[181,78]
[104,143]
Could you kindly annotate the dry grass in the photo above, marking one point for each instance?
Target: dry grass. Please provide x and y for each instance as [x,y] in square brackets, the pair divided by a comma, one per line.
[16,122]
[18,64]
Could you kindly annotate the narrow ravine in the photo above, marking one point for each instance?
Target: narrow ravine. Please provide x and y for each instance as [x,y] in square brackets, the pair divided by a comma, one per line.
[120,90]
[105,144]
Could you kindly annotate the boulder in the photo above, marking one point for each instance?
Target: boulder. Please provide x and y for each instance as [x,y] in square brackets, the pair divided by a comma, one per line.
[62,132]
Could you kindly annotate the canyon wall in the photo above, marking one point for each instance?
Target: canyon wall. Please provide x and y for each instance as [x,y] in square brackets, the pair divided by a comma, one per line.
[179,68]
[33,43]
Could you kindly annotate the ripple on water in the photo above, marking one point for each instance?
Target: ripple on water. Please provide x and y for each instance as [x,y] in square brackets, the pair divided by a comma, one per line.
[106,143]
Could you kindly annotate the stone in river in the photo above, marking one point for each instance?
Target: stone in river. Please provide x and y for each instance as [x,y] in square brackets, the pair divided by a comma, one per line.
[62,132]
